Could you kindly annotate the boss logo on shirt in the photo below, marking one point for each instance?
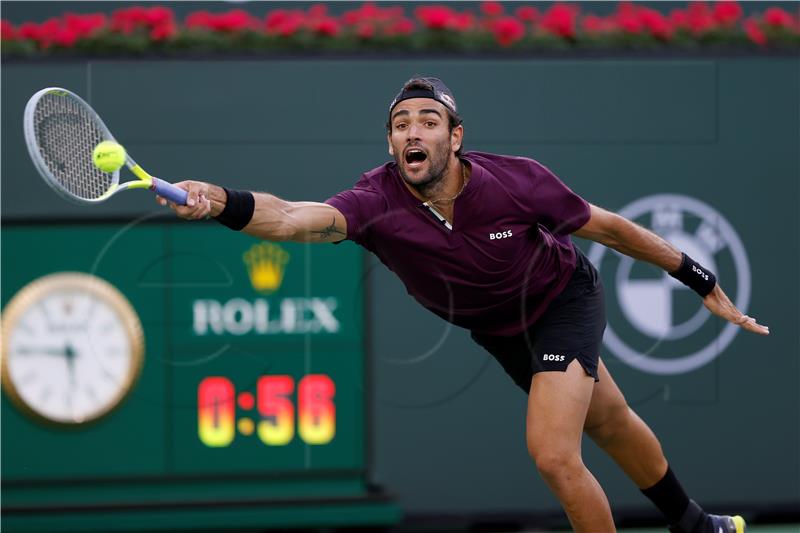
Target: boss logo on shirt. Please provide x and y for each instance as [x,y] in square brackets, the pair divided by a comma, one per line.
[500,235]
[552,357]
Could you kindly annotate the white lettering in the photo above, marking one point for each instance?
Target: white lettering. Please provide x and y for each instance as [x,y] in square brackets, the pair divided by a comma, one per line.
[261,316]
[288,315]
[667,218]
[500,235]
[323,312]
[242,317]
[237,316]
[207,313]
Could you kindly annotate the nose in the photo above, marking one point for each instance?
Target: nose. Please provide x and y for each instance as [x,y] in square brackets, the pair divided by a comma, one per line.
[413,131]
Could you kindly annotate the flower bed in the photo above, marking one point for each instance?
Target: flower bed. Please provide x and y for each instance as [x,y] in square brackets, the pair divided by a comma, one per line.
[488,26]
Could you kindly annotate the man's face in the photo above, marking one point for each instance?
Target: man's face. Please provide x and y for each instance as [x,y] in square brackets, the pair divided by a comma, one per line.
[421,141]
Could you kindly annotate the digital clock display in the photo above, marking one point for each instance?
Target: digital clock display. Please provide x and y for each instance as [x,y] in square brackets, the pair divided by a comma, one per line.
[282,411]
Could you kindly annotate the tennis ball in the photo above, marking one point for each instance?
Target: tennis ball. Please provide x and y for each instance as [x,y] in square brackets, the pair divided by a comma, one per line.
[108,156]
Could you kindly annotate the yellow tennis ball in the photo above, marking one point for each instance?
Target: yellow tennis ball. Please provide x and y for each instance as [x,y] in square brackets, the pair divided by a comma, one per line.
[108,156]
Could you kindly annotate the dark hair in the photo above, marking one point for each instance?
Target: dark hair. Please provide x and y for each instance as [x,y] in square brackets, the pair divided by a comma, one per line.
[453,118]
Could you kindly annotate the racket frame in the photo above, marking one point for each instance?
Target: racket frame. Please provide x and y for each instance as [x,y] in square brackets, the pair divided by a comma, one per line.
[145,181]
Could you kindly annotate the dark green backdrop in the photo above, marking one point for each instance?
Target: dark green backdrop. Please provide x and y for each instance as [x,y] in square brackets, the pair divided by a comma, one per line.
[448,425]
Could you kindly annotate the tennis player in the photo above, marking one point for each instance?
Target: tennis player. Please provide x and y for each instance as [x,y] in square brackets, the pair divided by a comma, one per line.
[483,241]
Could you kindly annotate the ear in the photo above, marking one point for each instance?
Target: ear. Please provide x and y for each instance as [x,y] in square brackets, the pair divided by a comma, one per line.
[389,141]
[457,137]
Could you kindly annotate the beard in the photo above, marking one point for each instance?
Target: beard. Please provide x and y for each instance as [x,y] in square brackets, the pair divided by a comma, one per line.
[438,164]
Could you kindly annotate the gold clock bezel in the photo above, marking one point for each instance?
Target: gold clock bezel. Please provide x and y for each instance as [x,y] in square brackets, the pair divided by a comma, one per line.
[80,281]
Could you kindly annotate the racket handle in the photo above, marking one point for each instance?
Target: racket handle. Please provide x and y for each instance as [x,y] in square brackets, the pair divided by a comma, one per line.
[169,191]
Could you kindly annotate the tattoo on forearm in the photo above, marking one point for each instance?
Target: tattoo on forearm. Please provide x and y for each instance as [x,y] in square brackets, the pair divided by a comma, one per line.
[329,231]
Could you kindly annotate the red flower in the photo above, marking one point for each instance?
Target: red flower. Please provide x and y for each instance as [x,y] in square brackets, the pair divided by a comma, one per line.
[368,11]
[492,8]
[727,12]
[656,23]
[125,21]
[7,31]
[66,37]
[199,20]
[234,20]
[45,34]
[628,18]
[365,31]
[163,31]
[391,13]
[508,30]
[700,18]
[754,32]
[778,18]
[352,17]
[318,11]
[595,24]
[403,26]
[435,17]
[463,21]
[527,13]
[29,30]
[158,15]
[77,24]
[560,20]
[284,22]
[327,26]
[679,18]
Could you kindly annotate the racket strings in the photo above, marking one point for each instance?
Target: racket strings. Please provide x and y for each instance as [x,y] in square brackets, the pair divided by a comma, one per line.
[66,133]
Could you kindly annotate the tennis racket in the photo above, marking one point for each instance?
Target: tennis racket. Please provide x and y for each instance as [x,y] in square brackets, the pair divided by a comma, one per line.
[61,131]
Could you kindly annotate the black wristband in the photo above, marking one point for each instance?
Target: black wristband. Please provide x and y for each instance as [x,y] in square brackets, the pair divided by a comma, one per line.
[238,210]
[698,278]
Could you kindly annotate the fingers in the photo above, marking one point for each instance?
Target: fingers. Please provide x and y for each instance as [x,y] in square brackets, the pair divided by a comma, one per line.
[195,208]
[718,303]
[197,205]
[750,324]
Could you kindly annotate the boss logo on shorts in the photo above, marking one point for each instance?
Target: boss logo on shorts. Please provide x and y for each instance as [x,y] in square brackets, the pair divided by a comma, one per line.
[552,357]
[500,235]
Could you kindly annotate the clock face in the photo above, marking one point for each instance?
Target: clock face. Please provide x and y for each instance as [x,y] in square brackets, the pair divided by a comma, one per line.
[72,348]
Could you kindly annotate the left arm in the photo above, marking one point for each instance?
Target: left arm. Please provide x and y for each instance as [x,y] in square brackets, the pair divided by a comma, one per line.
[619,233]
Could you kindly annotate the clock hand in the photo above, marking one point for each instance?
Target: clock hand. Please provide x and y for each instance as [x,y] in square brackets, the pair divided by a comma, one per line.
[41,350]
[70,354]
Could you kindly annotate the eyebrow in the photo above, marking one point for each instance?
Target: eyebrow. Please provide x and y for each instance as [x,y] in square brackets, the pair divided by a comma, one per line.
[421,112]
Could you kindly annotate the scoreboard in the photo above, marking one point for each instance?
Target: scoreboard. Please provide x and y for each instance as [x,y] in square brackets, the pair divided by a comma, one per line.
[247,408]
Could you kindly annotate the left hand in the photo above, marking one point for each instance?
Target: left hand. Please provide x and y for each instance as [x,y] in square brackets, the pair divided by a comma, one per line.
[718,303]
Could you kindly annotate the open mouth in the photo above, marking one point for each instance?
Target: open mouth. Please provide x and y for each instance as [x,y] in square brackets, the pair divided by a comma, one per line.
[415,157]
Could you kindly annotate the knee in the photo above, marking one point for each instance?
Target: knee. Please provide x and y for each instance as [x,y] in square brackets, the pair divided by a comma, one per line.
[556,467]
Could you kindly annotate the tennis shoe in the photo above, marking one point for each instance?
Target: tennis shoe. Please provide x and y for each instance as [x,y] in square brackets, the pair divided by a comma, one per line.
[727,524]
[695,520]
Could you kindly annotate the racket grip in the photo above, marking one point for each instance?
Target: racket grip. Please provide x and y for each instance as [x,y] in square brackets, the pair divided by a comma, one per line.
[169,191]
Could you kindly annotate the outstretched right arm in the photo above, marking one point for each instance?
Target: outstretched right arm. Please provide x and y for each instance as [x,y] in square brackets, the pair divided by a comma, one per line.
[273,219]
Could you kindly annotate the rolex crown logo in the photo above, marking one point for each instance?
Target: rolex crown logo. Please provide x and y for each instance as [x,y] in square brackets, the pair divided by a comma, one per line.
[266,264]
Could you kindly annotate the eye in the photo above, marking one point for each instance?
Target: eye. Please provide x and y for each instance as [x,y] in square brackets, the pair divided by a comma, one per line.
[400,126]
[430,124]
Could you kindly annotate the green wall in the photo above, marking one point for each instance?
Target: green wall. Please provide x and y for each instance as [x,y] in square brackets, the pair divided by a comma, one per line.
[448,426]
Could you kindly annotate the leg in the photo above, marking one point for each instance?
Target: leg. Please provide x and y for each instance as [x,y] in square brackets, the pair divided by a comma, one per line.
[634,447]
[557,406]
[622,434]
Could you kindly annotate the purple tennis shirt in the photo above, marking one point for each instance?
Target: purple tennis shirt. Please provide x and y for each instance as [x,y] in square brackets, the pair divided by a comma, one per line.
[506,256]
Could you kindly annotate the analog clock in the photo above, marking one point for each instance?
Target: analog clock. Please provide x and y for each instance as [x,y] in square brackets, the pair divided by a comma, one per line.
[72,348]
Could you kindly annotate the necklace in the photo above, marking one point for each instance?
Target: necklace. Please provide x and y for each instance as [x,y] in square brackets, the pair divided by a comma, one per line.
[453,199]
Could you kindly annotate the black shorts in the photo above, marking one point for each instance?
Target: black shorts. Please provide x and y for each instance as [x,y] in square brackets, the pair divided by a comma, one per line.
[570,328]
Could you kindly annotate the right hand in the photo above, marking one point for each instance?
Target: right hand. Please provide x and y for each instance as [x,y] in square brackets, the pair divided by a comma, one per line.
[198,204]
